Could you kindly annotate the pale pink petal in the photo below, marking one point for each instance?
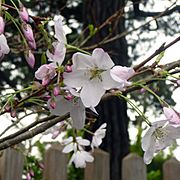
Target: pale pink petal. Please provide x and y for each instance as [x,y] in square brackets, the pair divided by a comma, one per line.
[82,61]
[102,59]
[91,93]
[68,148]
[59,32]
[171,115]
[108,82]
[75,79]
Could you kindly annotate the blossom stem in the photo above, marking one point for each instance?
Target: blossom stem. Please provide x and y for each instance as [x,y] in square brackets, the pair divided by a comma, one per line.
[136,109]
[86,130]
[12,19]
[162,102]
[77,49]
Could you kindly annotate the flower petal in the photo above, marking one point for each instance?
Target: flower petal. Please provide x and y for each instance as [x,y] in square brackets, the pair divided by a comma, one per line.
[102,59]
[91,93]
[108,82]
[82,61]
[62,106]
[75,79]
[78,114]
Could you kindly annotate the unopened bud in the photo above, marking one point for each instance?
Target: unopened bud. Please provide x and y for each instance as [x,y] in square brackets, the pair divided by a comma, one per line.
[69,96]
[13,113]
[23,13]
[56,91]
[142,90]
[55,134]
[7,108]
[28,176]
[53,103]
[28,32]
[45,81]
[30,59]
[31,172]
[41,165]
[32,44]
[2,25]
[68,68]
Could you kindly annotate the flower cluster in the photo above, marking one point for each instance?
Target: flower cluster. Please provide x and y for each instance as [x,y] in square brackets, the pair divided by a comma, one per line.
[68,86]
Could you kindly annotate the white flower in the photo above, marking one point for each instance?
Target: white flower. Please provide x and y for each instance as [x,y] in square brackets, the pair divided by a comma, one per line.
[98,136]
[59,32]
[75,107]
[74,144]
[92,74]
[80,158]
[4,48]
[58,51]
[159,136]
[171,115]
[57,54]
[122,74]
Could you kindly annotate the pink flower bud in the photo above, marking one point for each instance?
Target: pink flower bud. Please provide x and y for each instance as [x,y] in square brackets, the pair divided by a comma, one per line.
[41,165]
[45,81]
[69,96]
[32,44]
[28,32]
[56,91]
[30,59]
[53,103]
[142,90]
[28,176]
[2,25]
[13,113]
[7,108]
[31,173]
[55,134]
[68,68]
[23,13]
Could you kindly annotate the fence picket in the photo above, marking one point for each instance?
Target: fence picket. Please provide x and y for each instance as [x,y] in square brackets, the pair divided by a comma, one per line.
[55,164]
[11,164]
[99,168]
[171,169]
[133,168]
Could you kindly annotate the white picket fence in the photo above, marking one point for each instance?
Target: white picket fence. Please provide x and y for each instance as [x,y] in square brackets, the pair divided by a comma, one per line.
[133,167]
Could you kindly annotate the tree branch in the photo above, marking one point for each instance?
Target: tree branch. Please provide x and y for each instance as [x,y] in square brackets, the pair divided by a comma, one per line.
[29,134]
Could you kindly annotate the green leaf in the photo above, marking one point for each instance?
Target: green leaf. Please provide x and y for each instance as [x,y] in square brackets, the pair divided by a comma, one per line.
[43,58]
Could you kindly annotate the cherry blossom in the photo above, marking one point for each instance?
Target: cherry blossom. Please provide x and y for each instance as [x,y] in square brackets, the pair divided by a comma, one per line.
[45,73]
[74,144]
[92,74]
[159,136]
[4,48]
[121,74]
[59,32]
[99,134]
[80,156]
[171,115]
[58,51]
[73,106]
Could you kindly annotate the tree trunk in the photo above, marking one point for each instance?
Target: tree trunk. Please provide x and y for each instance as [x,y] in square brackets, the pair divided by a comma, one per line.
[113,111]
